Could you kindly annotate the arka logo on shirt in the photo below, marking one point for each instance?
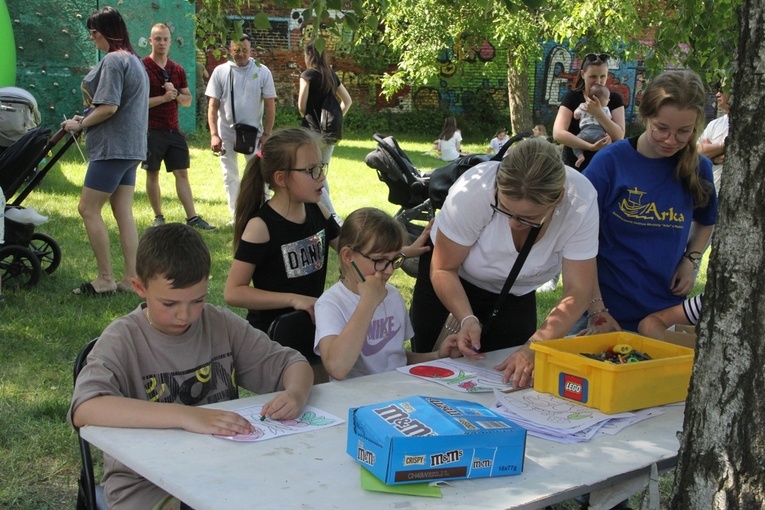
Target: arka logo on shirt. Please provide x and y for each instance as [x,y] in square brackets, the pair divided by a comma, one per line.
[633,207]
[305,256]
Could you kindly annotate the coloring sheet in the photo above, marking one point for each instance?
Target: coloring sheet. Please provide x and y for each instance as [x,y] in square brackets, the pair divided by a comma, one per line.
[459,376]
[311,419]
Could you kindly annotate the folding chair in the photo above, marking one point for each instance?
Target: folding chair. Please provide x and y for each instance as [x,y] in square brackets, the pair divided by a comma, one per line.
[297,330]
[90,494]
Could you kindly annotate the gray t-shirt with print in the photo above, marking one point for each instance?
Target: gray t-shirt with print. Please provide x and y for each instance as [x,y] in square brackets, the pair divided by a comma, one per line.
[118,79]
[206,364]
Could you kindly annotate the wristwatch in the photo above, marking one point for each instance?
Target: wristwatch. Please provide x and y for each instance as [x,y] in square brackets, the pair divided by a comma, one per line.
[694,257]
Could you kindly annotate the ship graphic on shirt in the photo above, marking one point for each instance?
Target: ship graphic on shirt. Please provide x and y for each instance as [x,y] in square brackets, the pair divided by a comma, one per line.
[633,207]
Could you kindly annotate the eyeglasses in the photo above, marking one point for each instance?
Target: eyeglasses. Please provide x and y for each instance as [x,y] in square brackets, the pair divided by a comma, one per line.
[511,216]
[315,171]
[661,134]
[382,264]
[165,75]
[594,57]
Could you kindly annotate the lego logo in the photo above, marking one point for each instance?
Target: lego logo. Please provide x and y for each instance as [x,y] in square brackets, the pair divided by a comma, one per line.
[573,387]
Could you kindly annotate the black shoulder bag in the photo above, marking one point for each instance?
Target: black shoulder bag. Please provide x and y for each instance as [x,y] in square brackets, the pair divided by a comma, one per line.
[452,325]
[246,135]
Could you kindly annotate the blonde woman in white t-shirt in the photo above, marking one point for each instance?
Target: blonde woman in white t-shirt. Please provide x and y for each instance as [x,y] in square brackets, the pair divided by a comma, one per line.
[477,237]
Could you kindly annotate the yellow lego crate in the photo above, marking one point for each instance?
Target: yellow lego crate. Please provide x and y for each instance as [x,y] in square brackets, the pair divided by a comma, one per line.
[561,369]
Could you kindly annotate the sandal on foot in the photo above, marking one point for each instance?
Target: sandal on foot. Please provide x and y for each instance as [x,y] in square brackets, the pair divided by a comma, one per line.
[87,289]
[125,287]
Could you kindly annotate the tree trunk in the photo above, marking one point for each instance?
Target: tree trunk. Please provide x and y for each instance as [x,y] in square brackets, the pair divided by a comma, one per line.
[518,96]
[721,462]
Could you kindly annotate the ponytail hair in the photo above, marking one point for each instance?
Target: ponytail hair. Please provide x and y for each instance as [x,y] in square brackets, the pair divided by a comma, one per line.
[319,62]
[279,152]
[685,91]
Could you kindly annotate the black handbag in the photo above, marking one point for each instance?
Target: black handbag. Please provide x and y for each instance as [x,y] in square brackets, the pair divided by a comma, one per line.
[246,136]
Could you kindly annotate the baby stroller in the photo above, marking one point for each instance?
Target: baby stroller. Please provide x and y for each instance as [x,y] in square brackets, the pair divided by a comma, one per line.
[418,194]
[27,253]
[407,188]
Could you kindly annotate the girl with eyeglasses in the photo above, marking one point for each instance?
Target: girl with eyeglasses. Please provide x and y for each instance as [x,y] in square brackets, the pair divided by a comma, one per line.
[594,70]
[362,321]
[281,243]
[477,237]
[657,207]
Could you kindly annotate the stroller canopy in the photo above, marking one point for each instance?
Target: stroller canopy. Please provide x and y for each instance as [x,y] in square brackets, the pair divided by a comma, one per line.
[18,114]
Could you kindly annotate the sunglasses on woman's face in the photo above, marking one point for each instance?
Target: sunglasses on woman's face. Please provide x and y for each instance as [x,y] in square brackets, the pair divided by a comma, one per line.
[596,57]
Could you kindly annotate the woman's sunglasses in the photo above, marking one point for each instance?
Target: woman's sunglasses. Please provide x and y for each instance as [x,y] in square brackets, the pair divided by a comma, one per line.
[595,57]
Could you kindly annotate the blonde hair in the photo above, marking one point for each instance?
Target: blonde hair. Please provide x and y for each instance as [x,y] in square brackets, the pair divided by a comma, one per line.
[371,229]
[532,170]
[278,152]
[685,91]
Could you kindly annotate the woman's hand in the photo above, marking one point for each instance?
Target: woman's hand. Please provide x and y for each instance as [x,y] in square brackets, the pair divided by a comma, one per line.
[469,340]
[684,278]
[602,143]
[601,322]
[73,125]
[518,367]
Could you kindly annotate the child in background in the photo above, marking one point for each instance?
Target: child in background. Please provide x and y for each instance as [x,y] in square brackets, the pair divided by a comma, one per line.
[590,129]
[150,368]
[498,141]
[362,321]
[281,244]
[450,140]
[687,312]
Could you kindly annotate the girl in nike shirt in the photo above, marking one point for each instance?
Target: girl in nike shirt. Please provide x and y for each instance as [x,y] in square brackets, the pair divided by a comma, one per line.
[362,321]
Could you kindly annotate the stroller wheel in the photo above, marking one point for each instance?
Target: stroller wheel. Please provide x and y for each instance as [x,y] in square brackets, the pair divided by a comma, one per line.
[19,267]
[47,251]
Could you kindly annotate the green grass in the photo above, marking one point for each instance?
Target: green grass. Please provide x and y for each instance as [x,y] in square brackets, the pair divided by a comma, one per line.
[43,328]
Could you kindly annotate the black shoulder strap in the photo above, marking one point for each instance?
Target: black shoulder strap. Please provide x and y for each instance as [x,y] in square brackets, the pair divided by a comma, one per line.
[231,90]
[516,269]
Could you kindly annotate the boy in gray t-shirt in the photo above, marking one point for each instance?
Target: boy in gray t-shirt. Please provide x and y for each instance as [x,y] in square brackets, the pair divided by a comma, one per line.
[150,368]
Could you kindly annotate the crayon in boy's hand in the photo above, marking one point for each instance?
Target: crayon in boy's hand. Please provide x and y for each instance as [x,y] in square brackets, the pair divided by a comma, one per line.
[263,417]
[358,271]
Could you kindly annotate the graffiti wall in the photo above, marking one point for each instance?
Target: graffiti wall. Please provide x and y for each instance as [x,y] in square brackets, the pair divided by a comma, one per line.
[556,74]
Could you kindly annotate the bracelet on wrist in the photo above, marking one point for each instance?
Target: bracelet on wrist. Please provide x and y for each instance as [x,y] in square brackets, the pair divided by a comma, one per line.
[598,312]
[694,257]
[462,323]
[595,300]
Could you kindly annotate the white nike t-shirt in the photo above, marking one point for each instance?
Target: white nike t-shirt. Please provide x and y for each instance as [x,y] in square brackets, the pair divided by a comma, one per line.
[389,329]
